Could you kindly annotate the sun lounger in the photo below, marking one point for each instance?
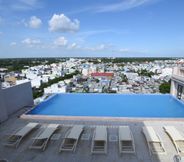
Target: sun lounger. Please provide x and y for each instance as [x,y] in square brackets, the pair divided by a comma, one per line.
[71,138]
[40,142]
[154,142]
[126,141]
[15,138]
[3,160]
[176,137]
[99,141]
[178,158]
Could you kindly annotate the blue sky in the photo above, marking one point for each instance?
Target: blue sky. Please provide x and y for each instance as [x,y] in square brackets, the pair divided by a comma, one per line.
[123,28]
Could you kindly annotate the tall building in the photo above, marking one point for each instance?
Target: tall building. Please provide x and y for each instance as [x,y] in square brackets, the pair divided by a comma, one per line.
[177,82]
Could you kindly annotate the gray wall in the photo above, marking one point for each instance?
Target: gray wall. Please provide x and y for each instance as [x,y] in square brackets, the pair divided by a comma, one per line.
[3,112]
[14,98]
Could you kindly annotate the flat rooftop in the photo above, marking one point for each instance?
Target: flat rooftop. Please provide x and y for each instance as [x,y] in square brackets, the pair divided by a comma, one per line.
[82,154]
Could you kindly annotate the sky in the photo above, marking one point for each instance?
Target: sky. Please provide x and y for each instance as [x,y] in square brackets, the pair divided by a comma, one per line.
[91,28]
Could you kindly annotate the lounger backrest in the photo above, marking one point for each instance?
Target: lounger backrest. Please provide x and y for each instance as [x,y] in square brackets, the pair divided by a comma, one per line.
[125,133]
[100,133]
[49,130]
[174,133]
[26,129]
[150,134]
[75,132]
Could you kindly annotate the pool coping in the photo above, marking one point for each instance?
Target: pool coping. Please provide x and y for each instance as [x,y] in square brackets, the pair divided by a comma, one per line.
[94,118]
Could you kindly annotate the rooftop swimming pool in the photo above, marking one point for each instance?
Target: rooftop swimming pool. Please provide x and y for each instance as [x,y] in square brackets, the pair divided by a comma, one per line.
[111,105]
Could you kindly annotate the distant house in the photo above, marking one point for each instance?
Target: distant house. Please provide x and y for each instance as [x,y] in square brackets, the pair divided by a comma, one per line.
[102,75]
[10,79]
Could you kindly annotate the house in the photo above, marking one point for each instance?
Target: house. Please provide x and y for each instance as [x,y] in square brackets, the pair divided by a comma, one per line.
[102,75]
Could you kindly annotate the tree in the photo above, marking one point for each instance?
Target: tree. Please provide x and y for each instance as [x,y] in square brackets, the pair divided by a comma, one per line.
[165,87]
[144,72]
[124,78]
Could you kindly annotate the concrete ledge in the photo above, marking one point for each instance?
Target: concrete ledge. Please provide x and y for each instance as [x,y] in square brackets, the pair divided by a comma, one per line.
[94,118]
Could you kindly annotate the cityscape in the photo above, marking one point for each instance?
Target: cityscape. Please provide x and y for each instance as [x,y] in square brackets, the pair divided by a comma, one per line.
[100,75]
[92,81]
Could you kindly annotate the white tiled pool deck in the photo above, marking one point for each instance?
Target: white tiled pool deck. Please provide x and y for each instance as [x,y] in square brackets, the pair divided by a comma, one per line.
[82,154]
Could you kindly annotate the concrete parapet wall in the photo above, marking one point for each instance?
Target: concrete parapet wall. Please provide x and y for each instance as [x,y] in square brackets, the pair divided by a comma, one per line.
[14,98]
[3,112]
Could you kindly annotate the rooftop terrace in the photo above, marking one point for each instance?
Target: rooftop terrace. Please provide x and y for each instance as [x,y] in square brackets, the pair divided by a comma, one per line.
[82,153]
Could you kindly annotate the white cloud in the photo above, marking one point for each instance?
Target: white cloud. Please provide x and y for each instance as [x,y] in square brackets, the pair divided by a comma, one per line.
[61,23]
[22,22]
[24,5]
[31,42]
[73,46]
[100,47]
[124,50]
[13,44]
[127,50]
[61,41]
[35,22]
[123,5]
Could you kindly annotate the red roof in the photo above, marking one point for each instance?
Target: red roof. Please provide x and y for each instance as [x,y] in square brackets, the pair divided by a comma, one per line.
[102,74]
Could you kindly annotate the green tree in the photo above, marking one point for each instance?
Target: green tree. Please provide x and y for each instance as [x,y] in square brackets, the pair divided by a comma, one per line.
[165,87]
[124,78]
[144,72]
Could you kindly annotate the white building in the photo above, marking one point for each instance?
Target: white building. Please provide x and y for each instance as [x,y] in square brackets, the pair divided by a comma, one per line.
[177,82]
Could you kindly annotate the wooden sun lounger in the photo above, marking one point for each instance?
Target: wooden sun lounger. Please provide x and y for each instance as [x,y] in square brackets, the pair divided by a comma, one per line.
[99,141]
[126,140]
[71,138]
[41,141]
[15,138]
[154,142]
[176,137]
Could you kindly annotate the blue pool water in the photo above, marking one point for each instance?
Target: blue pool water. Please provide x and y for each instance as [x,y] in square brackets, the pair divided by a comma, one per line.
[111,105]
